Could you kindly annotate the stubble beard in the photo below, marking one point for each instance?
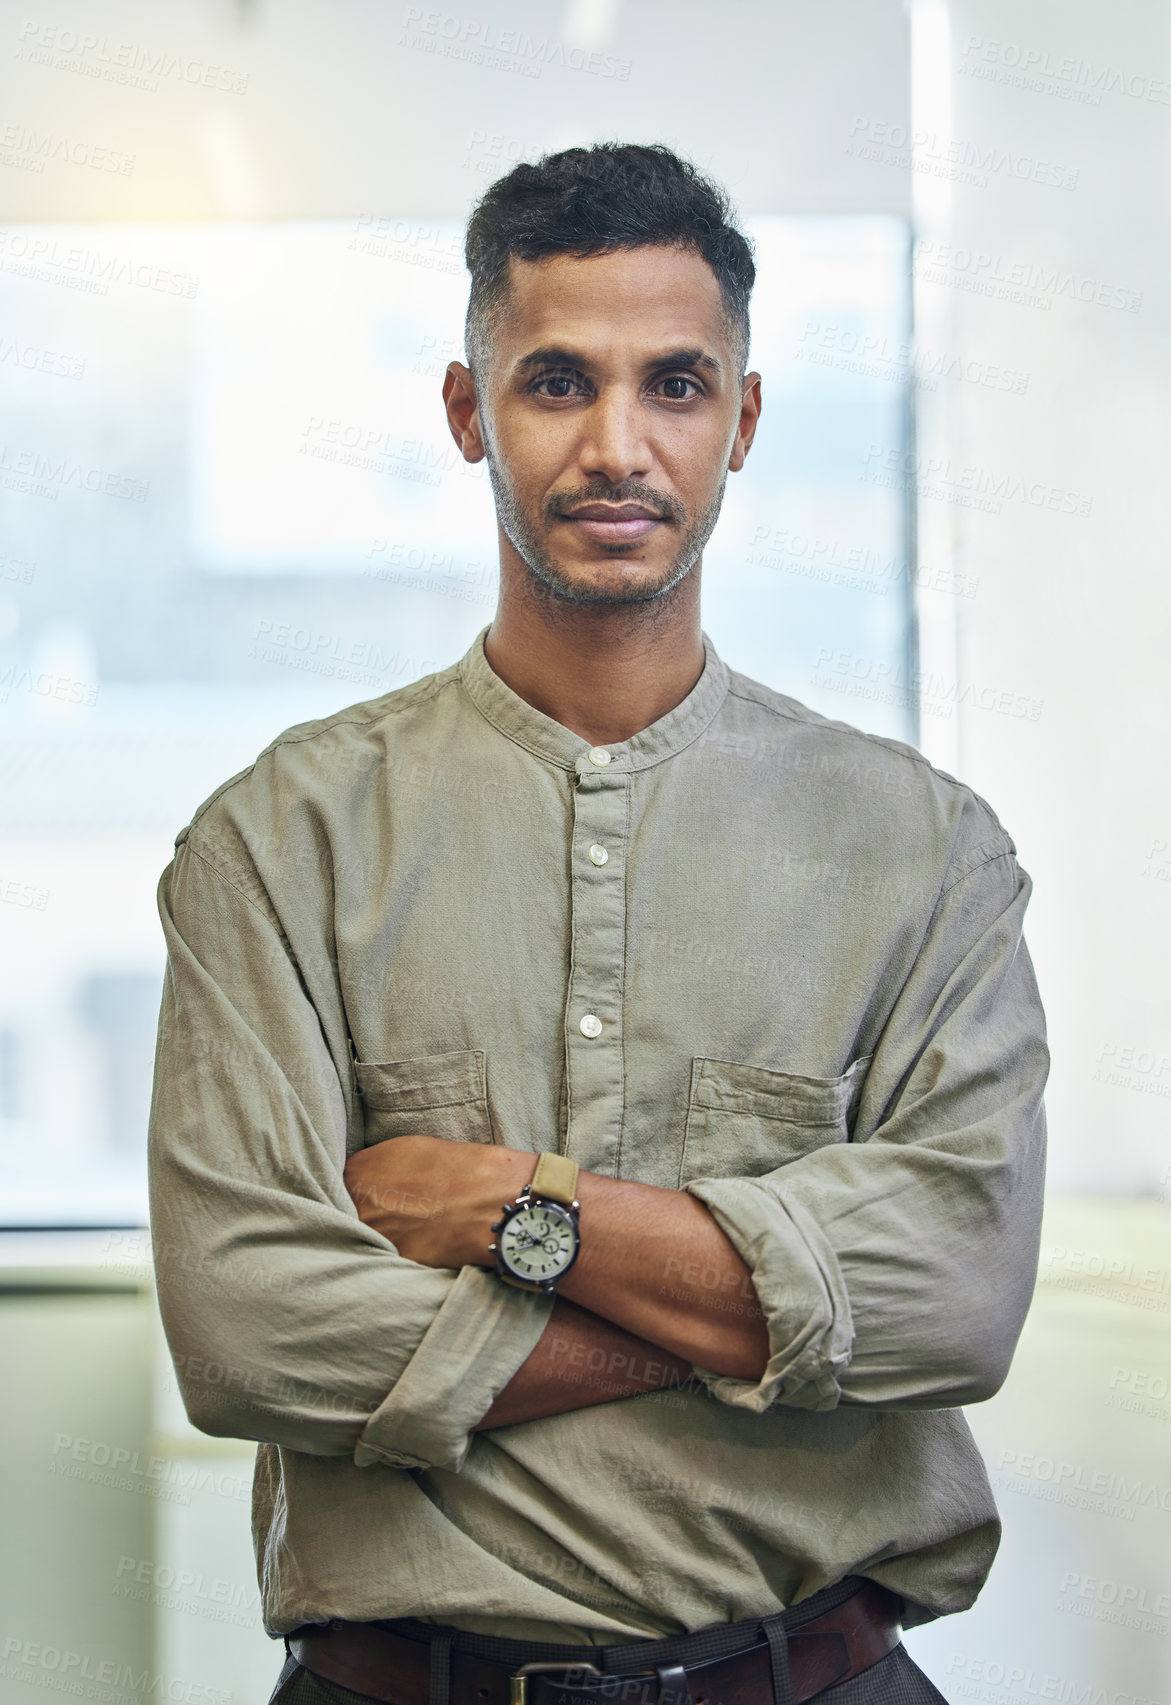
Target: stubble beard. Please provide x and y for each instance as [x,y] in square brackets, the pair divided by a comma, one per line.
[551,586]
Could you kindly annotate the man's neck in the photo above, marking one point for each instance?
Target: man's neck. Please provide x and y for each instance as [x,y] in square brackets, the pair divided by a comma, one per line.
[605,672]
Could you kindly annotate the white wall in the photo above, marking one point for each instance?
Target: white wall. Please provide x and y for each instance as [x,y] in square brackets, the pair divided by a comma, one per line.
[1070,610]
[361,106]
[127,1569]
[73,1447]
[1060,276]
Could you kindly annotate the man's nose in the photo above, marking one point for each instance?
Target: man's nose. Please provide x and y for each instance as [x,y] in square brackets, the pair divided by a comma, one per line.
[614,443]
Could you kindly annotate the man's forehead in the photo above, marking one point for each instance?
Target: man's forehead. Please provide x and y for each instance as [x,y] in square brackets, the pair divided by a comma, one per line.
[652,294]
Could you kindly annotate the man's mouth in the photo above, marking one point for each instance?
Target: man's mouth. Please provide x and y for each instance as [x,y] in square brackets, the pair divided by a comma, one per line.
[615,523]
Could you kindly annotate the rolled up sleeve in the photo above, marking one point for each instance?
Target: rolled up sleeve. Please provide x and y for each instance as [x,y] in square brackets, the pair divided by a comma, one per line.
[895,1270]
[289,1320]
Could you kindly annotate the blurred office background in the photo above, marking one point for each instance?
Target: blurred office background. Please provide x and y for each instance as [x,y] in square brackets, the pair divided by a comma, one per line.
[230,282]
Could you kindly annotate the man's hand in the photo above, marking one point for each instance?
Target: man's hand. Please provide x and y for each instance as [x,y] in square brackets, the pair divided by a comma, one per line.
[435,1199]
[653,1260]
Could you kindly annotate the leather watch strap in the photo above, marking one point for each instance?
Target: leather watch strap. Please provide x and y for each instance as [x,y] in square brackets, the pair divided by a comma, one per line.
[556,1177]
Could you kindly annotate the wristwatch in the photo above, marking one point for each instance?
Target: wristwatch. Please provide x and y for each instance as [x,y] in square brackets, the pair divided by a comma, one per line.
[538,1239]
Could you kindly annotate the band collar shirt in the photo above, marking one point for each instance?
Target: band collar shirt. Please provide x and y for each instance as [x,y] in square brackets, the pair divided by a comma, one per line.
[749,953]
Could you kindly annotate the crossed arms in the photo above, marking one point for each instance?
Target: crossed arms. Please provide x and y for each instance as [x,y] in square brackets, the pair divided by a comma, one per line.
[657,1285]
[892,1271]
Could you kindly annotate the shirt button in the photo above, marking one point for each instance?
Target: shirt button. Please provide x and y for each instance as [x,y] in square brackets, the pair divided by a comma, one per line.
[591,1025]
[598,755]
[598,855]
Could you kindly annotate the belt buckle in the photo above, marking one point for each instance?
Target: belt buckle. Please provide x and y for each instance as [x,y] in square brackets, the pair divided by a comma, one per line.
[518,1692]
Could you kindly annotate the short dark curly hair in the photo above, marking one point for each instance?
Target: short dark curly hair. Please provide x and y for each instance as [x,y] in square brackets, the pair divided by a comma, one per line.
[592,201]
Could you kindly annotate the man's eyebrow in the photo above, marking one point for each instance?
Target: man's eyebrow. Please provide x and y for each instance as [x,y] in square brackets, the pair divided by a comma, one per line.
[555,355]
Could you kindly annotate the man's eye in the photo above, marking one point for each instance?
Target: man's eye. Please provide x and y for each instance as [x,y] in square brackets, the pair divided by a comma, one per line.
[555,379]
[679,379]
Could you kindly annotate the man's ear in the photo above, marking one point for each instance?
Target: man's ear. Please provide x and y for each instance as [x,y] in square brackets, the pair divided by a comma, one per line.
[463,411]
[746,426]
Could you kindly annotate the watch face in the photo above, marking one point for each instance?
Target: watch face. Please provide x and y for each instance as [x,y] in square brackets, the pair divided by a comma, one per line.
[538,1242]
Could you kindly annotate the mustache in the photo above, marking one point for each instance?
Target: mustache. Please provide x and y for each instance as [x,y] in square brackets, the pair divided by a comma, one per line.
[665,507]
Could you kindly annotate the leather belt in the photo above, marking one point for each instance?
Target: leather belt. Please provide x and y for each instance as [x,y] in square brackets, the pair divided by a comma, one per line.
[371,1659]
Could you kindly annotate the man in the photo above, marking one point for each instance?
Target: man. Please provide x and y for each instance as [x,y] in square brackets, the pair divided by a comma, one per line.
[678,1401]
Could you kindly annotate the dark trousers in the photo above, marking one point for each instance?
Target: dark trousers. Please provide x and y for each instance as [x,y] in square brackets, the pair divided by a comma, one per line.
[894,1680]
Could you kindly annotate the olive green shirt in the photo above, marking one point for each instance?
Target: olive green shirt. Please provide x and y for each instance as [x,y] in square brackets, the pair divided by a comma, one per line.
[815,1012]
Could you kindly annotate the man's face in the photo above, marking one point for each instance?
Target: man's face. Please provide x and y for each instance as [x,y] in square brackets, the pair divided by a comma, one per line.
[610,417]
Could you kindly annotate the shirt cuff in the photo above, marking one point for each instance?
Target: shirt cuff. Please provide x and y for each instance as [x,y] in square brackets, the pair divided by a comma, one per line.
[482,1333]
[800,1288]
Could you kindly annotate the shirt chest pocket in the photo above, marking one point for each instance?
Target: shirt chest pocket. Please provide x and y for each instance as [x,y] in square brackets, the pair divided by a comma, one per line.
[743,1121]
[436,1095]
